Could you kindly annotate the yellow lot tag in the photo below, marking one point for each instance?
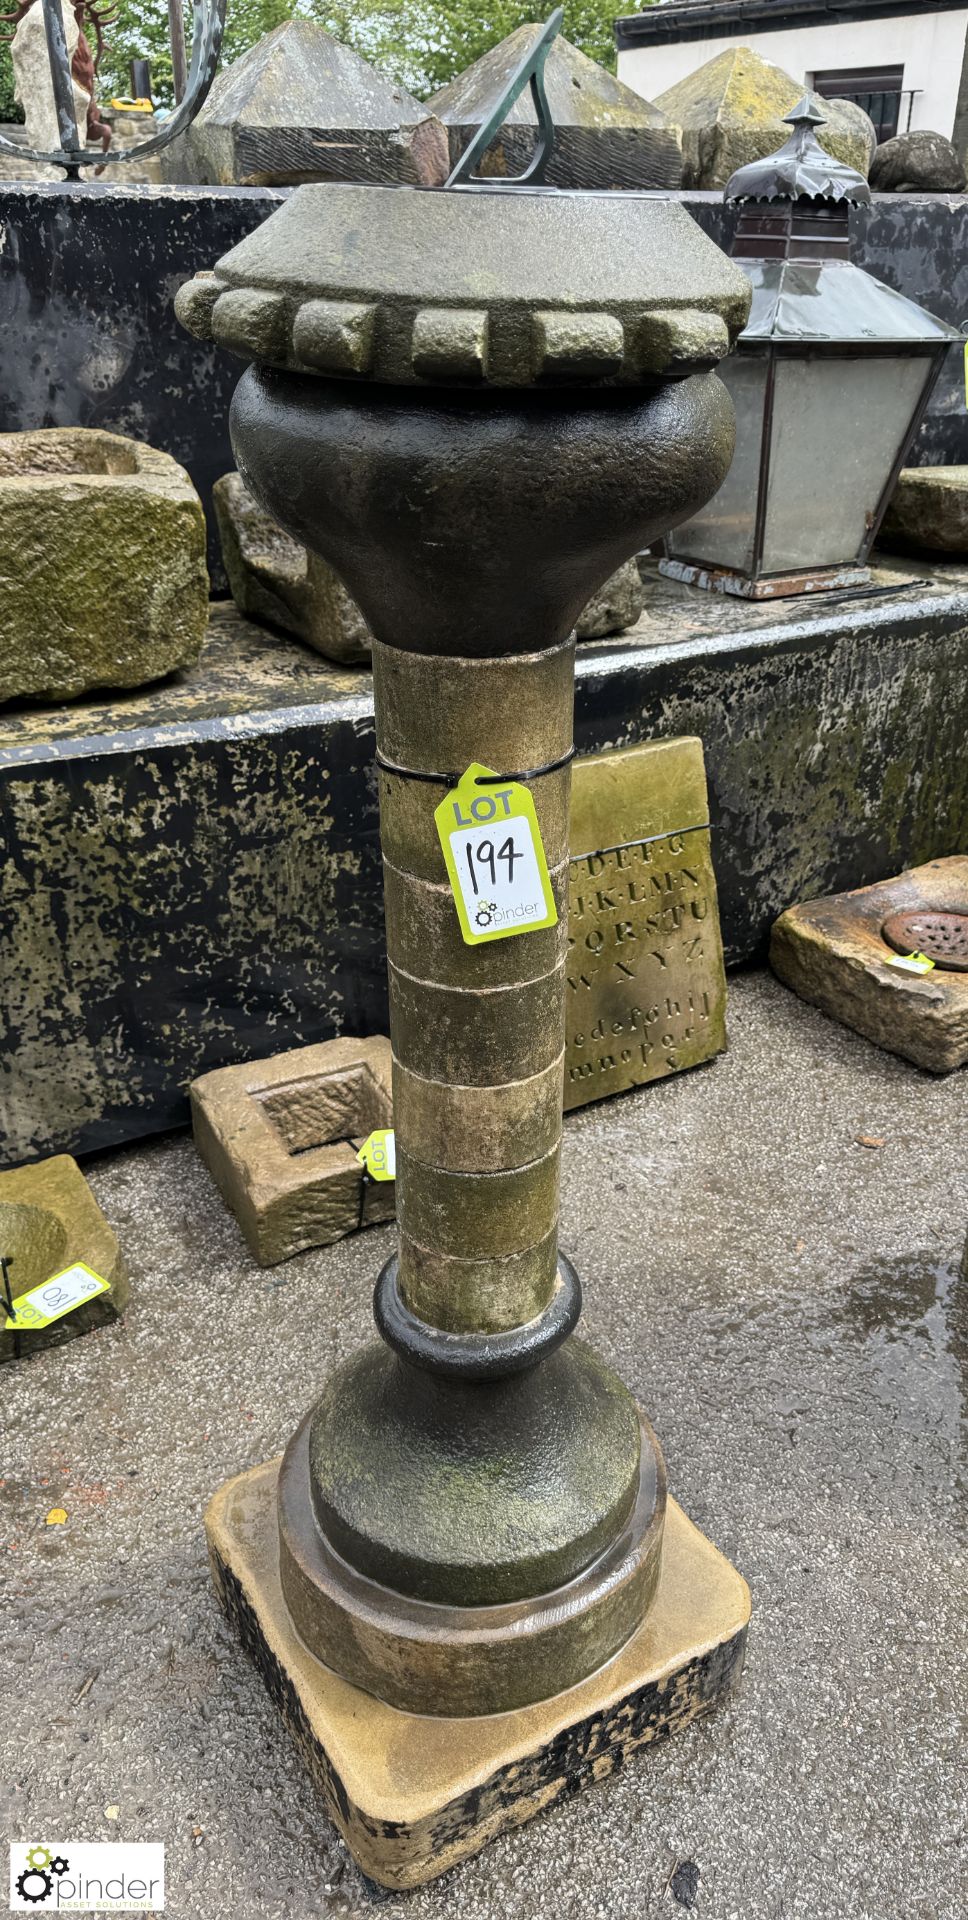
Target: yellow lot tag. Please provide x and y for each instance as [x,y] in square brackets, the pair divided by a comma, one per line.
[379,1155]
[495,860]
[910,962]
[59,1295]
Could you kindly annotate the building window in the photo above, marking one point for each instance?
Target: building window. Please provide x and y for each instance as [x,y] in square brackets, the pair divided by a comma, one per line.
[879,90]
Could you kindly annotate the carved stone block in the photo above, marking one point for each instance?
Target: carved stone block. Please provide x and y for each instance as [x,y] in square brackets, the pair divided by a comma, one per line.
[646,985]
[731,110]
[104,577]
[833,952]
[605,134]
[414,1794]
[299,105]
[274,578]
[49,1219]
[280,1138]
[928,512]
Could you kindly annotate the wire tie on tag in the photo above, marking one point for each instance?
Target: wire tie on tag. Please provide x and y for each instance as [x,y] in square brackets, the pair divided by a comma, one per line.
[483,779]
[6,1262]
[364,1182]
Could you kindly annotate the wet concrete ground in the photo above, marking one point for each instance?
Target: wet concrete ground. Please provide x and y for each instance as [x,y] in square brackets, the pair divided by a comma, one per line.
[785,1301]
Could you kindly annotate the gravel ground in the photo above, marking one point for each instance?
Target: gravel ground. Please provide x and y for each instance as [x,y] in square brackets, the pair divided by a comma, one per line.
[786,1303]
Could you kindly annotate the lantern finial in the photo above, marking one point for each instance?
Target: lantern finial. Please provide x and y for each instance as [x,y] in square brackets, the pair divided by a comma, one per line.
[801,169]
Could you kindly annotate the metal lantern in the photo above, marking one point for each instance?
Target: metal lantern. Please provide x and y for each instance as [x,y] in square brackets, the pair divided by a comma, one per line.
[830,381]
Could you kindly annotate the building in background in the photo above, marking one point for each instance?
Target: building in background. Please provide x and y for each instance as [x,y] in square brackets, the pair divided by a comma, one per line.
[903,61]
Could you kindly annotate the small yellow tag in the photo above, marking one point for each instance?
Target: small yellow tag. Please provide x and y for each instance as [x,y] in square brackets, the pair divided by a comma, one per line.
[910,962]
[379,1155]
[57,1296]
[495,860]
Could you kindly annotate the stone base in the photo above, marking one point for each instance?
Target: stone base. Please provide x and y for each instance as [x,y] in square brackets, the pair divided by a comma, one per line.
[832,952]
[767,586]
[413,1795]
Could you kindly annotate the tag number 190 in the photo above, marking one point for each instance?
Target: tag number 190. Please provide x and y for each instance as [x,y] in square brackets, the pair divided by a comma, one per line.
[485,855]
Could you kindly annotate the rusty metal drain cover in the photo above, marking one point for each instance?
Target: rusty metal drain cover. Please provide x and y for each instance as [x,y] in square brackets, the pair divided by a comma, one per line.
[942,936]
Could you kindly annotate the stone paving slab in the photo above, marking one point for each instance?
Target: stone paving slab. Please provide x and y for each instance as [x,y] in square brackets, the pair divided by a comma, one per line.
[785,1303]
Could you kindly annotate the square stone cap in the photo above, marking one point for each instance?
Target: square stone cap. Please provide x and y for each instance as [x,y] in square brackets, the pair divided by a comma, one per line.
[505,286]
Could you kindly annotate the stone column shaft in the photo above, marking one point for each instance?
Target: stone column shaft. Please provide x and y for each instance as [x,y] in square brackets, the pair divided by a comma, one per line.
[477,1032]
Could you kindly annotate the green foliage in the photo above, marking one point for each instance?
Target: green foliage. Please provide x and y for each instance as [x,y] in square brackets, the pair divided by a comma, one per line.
[422,45]
[425,46]
[8,107]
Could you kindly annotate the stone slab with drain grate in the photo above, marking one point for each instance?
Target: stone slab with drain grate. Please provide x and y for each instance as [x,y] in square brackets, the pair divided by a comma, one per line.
[838,952]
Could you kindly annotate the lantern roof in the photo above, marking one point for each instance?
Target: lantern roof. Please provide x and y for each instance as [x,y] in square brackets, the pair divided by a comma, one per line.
[801,169]
[806,300]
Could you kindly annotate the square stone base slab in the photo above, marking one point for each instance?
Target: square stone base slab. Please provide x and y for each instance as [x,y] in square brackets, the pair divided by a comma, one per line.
[831,951]
[413,1795]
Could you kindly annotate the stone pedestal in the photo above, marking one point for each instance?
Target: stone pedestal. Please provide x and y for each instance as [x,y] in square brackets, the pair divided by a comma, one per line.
[471,1516]
[413,1795]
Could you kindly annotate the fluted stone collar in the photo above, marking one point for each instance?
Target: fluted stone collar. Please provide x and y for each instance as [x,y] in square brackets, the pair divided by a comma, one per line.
[500,286]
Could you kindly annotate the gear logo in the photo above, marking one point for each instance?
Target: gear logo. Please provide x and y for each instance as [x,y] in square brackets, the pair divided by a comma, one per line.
[36,1883]
[485,913]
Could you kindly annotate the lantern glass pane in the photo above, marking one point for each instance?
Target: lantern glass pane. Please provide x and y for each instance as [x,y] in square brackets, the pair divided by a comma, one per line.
[721,535]
[838,424]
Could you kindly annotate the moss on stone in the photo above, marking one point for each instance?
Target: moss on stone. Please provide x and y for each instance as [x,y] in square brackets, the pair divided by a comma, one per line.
[731,111]
[104,576]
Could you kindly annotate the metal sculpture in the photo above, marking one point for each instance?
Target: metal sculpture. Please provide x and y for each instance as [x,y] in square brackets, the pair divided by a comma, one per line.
[72,154]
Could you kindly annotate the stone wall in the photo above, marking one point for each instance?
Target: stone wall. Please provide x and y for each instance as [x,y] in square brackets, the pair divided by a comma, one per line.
[88,336]
[190,875]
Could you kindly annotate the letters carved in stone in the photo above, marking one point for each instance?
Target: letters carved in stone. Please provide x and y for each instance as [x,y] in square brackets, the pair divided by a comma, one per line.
[646,988]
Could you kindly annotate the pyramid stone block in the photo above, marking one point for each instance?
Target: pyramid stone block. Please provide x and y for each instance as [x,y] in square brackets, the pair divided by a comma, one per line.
[731,111]
[300,106]
[605,135]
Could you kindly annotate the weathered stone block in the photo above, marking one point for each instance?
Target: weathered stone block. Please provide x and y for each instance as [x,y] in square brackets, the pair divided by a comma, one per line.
[49,1219]
[605,134]
[616,606]
[301,106]
[646,992]
[928,512]
[833,953]
[413,1794]
[280,1138]
[917,162]
[273,578]
[731,111]
[104,578]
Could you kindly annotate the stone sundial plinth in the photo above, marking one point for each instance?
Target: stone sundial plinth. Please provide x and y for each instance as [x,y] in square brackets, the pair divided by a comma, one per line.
[465,1581]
